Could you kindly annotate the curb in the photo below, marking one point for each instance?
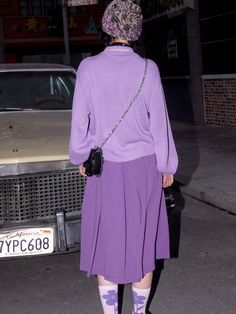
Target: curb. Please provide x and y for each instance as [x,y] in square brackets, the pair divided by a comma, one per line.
[216,199]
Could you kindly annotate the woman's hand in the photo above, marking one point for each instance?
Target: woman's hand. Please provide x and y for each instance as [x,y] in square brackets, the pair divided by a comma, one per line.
[82,170]
[167,180]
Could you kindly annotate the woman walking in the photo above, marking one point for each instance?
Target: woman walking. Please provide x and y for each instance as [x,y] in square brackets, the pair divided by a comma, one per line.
[124,221]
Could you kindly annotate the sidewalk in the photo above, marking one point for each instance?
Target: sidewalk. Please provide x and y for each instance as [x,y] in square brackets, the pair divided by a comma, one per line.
[207,163]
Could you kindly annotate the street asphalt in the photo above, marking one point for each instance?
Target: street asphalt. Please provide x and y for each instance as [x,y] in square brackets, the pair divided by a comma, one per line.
[199,279]
[207,163]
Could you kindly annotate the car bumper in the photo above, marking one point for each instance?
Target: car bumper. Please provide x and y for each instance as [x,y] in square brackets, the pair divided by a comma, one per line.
[65,229]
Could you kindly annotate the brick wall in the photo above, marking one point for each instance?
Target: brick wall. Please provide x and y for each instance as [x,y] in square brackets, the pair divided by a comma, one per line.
[220,99]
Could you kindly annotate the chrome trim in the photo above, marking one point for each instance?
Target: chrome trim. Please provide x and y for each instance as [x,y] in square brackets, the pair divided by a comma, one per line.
[61,231]
[35,167]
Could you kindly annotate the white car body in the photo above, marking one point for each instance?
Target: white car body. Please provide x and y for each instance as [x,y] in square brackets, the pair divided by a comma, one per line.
[40,191]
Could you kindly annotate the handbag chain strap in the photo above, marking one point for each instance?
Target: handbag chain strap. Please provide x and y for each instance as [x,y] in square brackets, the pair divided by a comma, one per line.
[128,108]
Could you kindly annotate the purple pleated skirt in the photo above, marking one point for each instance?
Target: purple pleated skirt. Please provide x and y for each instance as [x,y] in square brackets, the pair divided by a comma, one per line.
[124,225]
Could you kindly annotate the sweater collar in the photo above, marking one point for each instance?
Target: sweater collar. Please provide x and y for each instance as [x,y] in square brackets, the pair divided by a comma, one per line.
[119,49]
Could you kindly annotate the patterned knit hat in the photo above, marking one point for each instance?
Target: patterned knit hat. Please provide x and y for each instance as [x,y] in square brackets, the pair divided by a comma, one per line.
[123,18]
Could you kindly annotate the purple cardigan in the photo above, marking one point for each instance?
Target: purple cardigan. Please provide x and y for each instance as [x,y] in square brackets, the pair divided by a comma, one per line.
[105,85]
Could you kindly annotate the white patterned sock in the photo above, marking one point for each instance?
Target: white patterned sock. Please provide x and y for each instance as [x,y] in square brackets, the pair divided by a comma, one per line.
[109,298]
[140,298]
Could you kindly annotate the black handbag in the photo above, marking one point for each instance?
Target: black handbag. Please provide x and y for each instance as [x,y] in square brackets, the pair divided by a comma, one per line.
[94,164]
[170,205]
[170,200]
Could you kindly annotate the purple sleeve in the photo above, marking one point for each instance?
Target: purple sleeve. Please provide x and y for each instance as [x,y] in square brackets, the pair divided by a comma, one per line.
[80,143]
[167,159]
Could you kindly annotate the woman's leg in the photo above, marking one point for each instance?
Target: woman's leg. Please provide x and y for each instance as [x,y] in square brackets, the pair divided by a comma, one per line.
[109,295]
[141,291]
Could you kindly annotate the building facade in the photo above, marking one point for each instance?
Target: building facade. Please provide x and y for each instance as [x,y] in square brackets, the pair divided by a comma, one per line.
[193,42]
[32,31]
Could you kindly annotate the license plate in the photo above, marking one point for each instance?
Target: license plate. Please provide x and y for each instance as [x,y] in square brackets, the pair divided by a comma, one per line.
[27,242]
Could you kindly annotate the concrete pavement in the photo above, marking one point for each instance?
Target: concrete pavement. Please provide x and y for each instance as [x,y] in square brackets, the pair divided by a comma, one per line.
[207,163]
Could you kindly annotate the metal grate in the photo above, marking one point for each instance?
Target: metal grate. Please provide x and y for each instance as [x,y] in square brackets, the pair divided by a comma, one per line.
[38,196]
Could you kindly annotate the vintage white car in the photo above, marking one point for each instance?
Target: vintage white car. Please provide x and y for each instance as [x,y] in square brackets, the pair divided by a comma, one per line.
[40,191]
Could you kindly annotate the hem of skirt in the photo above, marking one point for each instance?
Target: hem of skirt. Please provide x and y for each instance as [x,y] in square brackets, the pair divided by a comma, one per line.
[126,280]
